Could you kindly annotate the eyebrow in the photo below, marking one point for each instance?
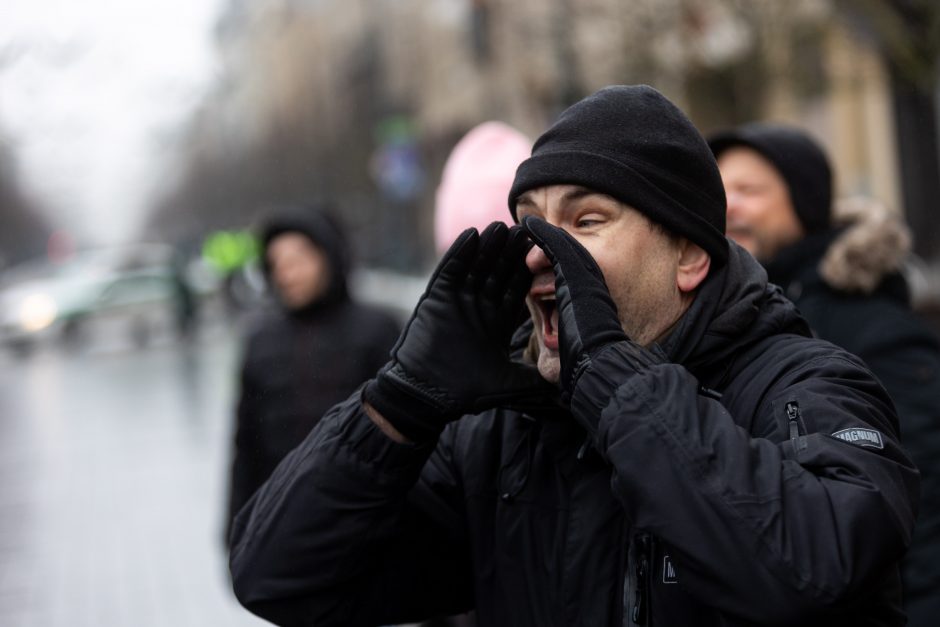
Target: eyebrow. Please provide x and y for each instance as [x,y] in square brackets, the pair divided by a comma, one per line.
[524,199]
[576,193]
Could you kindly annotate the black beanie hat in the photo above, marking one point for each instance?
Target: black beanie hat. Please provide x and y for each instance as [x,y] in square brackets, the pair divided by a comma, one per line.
[800,161]
[633,144]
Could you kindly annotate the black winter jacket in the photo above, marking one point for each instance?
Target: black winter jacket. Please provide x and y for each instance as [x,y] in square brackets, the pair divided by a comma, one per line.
[296,368]
[755,479]
[846,284]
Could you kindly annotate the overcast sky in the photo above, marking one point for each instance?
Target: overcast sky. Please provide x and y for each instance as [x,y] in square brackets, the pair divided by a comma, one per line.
[90,90]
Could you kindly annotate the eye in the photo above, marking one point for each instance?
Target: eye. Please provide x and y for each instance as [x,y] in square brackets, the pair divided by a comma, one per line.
[588,220]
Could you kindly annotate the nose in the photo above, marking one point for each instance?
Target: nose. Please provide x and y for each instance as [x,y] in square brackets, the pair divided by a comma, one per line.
[537,261]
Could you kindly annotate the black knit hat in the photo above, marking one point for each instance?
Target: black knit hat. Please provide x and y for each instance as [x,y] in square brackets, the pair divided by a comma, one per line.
[631,143]
[800,161]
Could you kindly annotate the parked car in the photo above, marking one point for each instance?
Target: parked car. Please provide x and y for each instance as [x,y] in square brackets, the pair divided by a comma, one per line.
[133,295]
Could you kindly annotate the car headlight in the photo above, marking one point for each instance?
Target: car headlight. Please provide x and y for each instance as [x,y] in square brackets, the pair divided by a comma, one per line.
[37,312]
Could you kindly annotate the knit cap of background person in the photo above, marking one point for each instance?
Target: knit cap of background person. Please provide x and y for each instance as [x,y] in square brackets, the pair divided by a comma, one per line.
[476,179]
[800,161]
[633,144]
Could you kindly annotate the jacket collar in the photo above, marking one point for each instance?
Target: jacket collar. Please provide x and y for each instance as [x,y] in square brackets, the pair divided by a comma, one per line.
[799,261]
[735,307]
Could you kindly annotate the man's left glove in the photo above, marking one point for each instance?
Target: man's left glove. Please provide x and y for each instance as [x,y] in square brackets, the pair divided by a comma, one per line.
[588,324]
[453,356]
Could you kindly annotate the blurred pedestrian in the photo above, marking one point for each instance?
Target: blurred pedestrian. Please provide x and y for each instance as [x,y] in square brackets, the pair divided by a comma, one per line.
[842,269]
[184,298]
[654,445]
[306,353]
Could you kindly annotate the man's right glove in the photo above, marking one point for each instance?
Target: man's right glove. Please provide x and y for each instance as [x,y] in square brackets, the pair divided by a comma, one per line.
[453,356]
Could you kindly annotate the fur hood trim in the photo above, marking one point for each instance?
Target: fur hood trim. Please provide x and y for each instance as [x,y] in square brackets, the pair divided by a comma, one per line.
[874,244]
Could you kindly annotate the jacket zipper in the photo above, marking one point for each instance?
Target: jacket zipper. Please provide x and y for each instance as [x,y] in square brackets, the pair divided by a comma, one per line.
[625,569]
[795,419]
[643,546]
[795,422]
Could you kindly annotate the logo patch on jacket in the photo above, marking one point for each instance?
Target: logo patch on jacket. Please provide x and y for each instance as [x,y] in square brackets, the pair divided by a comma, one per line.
[669,571]
[868,438]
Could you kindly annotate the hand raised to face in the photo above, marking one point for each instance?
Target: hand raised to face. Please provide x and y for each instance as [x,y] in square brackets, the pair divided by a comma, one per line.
[587,316]
[453,357]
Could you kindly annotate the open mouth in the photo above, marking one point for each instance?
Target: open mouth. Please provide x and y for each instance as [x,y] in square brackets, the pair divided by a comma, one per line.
[549,314]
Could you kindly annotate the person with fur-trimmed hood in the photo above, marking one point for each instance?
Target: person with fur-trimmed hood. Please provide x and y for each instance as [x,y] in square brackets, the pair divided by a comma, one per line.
[842,269]
[307,352]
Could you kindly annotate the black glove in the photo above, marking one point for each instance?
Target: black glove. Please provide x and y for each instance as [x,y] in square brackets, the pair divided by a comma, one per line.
[453,356]
[587,316]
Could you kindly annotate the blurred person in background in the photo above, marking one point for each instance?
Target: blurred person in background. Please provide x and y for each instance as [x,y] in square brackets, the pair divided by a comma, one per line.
[652,445]
[306,353]
[842,269]
[186,300]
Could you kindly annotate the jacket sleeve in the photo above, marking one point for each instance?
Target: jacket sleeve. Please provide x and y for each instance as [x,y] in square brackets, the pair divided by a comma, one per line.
[779,524]
[345,533]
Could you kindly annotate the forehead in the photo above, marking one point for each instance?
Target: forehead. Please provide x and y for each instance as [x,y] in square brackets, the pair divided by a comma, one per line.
[560,196]
[746,161]
[291,242]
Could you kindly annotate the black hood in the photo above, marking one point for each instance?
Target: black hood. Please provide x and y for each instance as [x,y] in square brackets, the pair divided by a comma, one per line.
[323,229]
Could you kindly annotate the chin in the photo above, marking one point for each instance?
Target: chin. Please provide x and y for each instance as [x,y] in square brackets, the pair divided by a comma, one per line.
[549,365]
[296,304]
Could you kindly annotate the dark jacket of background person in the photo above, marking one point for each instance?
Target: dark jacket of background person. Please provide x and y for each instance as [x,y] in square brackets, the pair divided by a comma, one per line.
[846,283]
[299,363]
[722,501]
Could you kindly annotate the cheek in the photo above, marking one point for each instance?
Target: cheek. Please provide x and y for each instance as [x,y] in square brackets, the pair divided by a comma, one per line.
[316,272]
[644,279]
[531,307]
[785,223]
[749,211]
[617,270]
[773,214]
[283,273]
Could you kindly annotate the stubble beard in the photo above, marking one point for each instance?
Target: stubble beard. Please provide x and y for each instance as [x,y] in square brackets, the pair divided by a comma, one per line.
[549,364]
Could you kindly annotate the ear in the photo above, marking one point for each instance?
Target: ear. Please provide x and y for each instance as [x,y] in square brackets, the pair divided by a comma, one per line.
[693,266]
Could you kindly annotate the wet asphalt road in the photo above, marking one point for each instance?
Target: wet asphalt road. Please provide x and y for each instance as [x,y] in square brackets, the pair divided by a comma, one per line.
[113,470]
